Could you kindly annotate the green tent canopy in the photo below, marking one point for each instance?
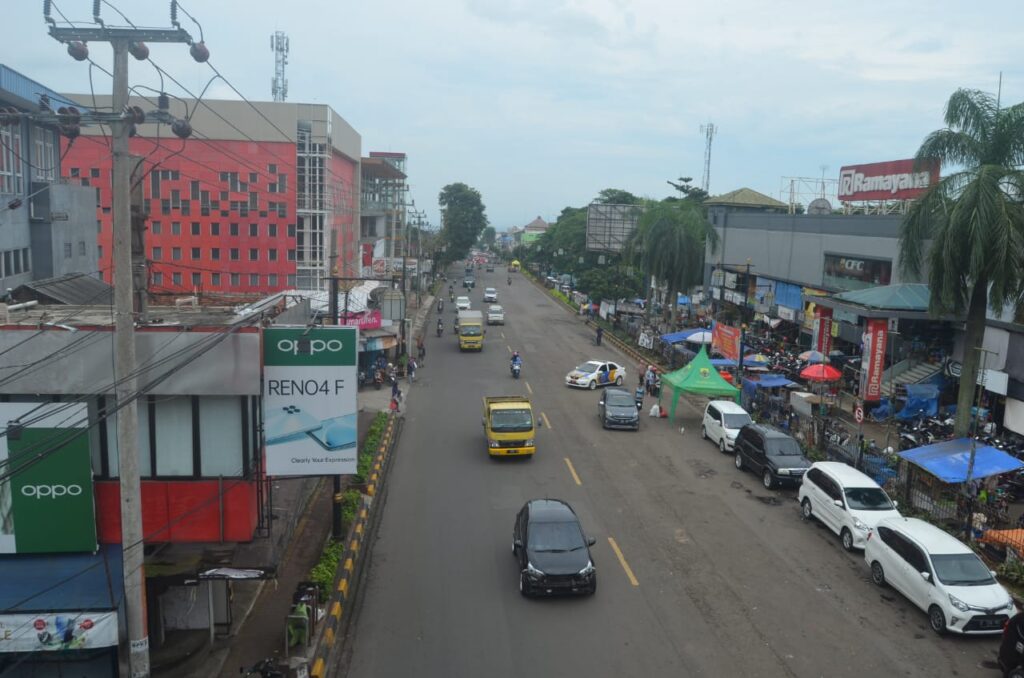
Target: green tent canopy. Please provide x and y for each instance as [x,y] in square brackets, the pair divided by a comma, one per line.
[698,376]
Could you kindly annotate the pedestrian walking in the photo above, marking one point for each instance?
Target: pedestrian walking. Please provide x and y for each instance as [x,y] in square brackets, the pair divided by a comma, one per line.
[412,370]
[393,406]
[421,349]
[600,333]
[394,386]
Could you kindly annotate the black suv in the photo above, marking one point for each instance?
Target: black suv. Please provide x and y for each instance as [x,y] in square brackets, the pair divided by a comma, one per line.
[772,453]
[553,553]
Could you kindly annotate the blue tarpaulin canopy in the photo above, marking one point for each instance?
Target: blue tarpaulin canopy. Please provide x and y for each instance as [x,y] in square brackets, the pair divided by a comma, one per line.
[682,300]
[769,381]
[922,401]
[723,362]
[948,460]
[682,335]
[66,581]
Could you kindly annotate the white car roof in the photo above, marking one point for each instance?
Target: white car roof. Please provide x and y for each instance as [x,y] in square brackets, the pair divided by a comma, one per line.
[933,539]
[728,407]
[490,289]
[495,307]
[845,474]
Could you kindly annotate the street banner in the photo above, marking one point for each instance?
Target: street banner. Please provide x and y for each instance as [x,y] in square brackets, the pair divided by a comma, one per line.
[57,631]
[46,503]
[364,320]
[873,360]
[725,339]
[309,400]
[822,334]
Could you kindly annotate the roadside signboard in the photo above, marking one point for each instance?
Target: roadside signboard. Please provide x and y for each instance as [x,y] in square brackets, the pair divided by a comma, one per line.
[873,360]
[309,400]
[892,180]
[56,631]
[858,414]
[726,340]
[46,505]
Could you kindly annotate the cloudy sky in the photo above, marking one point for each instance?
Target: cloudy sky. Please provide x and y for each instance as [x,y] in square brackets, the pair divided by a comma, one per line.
[540,104]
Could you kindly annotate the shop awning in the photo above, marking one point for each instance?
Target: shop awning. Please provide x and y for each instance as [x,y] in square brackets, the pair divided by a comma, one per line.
[769,381]
[676,337]
[377,340]
[948,460]
[58,582]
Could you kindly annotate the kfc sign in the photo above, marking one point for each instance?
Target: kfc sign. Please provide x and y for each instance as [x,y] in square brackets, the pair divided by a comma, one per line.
[893,180]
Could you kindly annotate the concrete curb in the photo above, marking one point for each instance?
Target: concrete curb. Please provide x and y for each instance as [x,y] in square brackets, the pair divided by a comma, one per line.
[351,560]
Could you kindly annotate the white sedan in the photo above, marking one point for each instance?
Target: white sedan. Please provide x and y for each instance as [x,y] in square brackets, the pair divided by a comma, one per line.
[491,295]
[495,315]
[462,304]
[594,373]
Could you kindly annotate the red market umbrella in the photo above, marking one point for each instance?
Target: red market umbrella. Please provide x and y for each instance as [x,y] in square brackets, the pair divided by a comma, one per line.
[820,372]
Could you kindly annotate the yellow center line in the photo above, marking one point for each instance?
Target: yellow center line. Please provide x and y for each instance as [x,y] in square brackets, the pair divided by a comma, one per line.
[502,335]
[530,390]
[545,418]
[622,561]
[572,470]
[509,348]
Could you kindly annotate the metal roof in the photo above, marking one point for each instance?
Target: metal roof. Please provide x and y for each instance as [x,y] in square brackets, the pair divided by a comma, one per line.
[73,288]
[23,91]
[899,297]
[745,197]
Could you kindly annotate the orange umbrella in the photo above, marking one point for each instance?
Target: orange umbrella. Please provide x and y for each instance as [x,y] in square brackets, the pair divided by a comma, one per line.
[820,372]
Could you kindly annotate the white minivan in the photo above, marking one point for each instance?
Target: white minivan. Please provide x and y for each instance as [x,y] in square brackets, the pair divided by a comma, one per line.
[939,574]
[723,420]
[845,500]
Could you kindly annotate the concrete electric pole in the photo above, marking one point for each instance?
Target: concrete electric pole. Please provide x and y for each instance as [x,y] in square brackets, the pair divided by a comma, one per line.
[124,41]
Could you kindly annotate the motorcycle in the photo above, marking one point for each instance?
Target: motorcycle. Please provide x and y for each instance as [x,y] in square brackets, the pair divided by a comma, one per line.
[440,305]
[440,329]
[516,369]
[265,668]
[510,280]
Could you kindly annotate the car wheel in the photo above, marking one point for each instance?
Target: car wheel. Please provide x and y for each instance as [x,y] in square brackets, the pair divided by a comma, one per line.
[877,573]
[847,538]
[703,433]
[768,479]
[618,381]
[739,461]
[524,586]
[592,385]
[937,619]
[721,446]
[604,423]
[805,509]
[1016,673]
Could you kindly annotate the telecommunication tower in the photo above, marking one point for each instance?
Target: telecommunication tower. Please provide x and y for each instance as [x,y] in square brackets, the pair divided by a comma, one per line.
[708,131]
[279,46]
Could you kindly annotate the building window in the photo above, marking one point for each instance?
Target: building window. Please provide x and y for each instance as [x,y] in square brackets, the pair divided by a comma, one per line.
[234,254]
[220,436]
[253,177]
[94,172]
[215,279]
[158,253]
[154,228]
[26,264]
[158,278]
[272,280]
[254,230]
[173,433]
[272,230]
[271,255]
[215,228]
[282,183]
[196,228]
[10,159]
[194,192]
[254,280]
[272,168]
[291,255]
[67,250]
[197,279]
[165,206]
[291,280]
[99,251]
[44,158]
[236,279]
[234,229]
[254,254]
[291,230]
[74,172]
[176,253]
[215,253]
[81,248]
[175,228]
[176,278]
[196,254]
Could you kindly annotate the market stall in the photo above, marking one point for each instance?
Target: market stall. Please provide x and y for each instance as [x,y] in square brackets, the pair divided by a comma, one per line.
[699,377]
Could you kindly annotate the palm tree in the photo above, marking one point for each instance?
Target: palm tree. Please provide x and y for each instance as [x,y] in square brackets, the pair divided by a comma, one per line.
[668,245]
[974,220]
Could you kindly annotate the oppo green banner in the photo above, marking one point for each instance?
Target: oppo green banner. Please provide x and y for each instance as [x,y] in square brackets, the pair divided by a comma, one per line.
[46,506]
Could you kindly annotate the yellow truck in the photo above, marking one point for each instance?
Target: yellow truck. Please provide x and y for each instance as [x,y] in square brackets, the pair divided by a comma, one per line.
[509,426]
[471,331]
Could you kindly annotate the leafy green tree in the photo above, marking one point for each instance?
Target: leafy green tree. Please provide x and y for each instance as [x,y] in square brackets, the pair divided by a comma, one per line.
[668,245]
[973,219]
[488,236]
[608,282]
[615,196]
[692,193]
[464,219]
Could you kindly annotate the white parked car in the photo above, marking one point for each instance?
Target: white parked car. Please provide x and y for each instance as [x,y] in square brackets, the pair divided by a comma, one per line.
[462,303]
[845,500]
[939,574]
[490,294]
[594,373]
[723,420]
[495,315]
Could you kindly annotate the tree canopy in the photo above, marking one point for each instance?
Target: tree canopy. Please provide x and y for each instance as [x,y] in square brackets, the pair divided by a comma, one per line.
[464,219]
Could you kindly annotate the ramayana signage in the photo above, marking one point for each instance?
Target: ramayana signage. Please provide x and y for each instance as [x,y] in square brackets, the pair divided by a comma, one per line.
[46,505]
[57,631]
[309,400]
[892,180]
[873,359]
[821,336]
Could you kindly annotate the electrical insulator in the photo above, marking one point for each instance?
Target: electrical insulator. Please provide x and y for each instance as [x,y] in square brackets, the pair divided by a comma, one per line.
[199,52]
[14,204]
[163,102]
[139,50]
[70,120]
[181,128]
[79,51]
[134,115]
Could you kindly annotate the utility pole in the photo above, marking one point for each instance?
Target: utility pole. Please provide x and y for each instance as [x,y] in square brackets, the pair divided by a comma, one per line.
[125,40]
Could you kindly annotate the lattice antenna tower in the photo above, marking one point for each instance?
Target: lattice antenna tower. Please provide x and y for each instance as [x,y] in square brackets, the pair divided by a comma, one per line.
[279,46]
[708,131]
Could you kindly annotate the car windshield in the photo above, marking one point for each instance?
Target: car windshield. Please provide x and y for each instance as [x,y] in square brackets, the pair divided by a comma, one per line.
[783,447]
[490,290]
[462,300]
[555,537]
[868,499]
[495,309]
[619,400]
[961,569]
[737,420]
[511,421]
[587,368]
[470,330]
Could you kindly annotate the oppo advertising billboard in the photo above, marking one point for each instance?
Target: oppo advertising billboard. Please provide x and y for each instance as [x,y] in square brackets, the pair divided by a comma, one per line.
[309,400]
[46,503]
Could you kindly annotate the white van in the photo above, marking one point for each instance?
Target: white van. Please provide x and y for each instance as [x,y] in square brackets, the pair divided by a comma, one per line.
[723,420]
[845,500]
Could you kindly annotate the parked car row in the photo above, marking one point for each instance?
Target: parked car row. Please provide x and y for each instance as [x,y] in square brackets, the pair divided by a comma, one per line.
[935,571]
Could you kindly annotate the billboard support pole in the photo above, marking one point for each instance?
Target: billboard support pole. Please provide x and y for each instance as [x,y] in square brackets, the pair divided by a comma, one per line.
[332,304]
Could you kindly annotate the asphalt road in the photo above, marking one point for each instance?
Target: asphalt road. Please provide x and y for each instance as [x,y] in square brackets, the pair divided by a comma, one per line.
[729,580]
